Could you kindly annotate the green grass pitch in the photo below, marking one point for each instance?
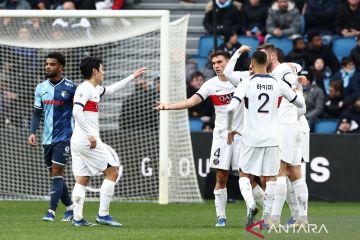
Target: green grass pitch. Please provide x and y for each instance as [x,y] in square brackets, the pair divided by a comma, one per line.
[22,220]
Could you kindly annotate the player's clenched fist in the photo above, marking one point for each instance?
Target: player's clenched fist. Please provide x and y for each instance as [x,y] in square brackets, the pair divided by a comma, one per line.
[139,72]
[162,106]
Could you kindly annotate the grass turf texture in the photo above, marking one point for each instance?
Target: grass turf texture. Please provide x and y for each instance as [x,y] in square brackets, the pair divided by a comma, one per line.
[22,220]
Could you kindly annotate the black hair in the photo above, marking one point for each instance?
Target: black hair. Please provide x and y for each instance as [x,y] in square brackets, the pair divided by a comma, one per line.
[296,40]
[346,60]
[228,35]
[196,74]
[58,56]
[311,35]
[259,57]
[88,64]
[217,53]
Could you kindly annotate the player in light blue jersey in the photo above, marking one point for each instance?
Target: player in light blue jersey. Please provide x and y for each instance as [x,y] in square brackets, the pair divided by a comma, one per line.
[54,100]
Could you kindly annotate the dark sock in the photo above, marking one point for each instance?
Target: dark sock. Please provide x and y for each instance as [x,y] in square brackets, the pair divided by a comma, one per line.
[56,191]
[65,197]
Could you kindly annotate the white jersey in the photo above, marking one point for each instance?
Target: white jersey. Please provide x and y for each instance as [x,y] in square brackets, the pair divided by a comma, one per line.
[287,111]
[220,94]
[261,93]
[88,97]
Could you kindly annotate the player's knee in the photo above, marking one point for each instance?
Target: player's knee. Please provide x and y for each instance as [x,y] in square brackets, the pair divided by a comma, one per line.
[57,170]
[112,173]
[221,177]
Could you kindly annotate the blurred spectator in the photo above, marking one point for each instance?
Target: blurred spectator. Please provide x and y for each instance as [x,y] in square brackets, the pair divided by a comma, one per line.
[355,54]
[73,25]
[109,4]
[230,45]
[46,4]
[14,4]
[297,55]
[320,75]
[347,21]
[350,119]
[208,127]
[283,20]
[347,125]
[319,15]
[348,74]
[228,17]
[314,100]
[254,15]
[316,49]
[203,109]
[334,105]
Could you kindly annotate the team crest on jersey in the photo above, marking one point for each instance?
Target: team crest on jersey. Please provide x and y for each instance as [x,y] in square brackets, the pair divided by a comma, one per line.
[216,161]
[64,94]
[67,149]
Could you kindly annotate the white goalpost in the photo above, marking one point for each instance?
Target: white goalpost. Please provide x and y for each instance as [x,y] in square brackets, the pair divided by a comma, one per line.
[154,148]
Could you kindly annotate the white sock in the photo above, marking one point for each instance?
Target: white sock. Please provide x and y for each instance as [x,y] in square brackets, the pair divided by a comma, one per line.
[269,199]
[78,198]
[246,192]
[279,199]
[291,200]
[220,202]
[258,194]
[302,194]
[106,192]
[71,207]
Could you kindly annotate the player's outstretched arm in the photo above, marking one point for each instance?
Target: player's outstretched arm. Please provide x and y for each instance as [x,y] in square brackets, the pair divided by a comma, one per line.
[124,82]
[185,104]
[234,77]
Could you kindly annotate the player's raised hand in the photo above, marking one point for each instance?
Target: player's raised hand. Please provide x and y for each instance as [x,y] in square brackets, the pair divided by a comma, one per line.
[161,106]
[244,48]
[230,138]
[139,72]
[92,140]
[32,140]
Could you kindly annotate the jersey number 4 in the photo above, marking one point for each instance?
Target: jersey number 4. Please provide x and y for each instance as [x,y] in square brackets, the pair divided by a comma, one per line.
[217,153]
[261,108]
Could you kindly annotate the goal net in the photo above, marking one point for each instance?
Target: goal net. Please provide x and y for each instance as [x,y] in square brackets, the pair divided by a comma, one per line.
[154,148]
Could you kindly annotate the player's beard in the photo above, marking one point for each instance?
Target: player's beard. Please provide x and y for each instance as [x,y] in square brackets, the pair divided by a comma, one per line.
[50,75]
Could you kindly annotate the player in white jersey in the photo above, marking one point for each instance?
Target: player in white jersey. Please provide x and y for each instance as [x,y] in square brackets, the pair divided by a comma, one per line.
[260,153]
[223,156]
[290,144]
[89,154]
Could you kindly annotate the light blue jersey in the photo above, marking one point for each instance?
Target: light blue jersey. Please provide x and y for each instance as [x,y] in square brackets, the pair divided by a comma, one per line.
[56,101]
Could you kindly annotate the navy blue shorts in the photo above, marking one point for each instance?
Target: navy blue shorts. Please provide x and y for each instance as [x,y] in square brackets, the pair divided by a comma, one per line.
[58,153]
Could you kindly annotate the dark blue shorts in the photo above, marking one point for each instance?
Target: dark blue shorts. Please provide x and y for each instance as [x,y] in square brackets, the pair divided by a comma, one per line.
[58,153]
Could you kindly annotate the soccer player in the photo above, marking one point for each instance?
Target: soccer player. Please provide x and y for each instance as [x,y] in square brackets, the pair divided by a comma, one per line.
[54,98]
[223,157]
[89,154]
[260,153]
[290,143]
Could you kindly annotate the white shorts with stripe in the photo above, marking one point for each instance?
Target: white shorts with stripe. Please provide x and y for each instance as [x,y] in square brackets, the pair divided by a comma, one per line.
[224,156]
[260,161]
[89,162]
[291,144]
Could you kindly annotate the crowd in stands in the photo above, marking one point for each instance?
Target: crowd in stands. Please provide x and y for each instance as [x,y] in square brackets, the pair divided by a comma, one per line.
[334,88]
